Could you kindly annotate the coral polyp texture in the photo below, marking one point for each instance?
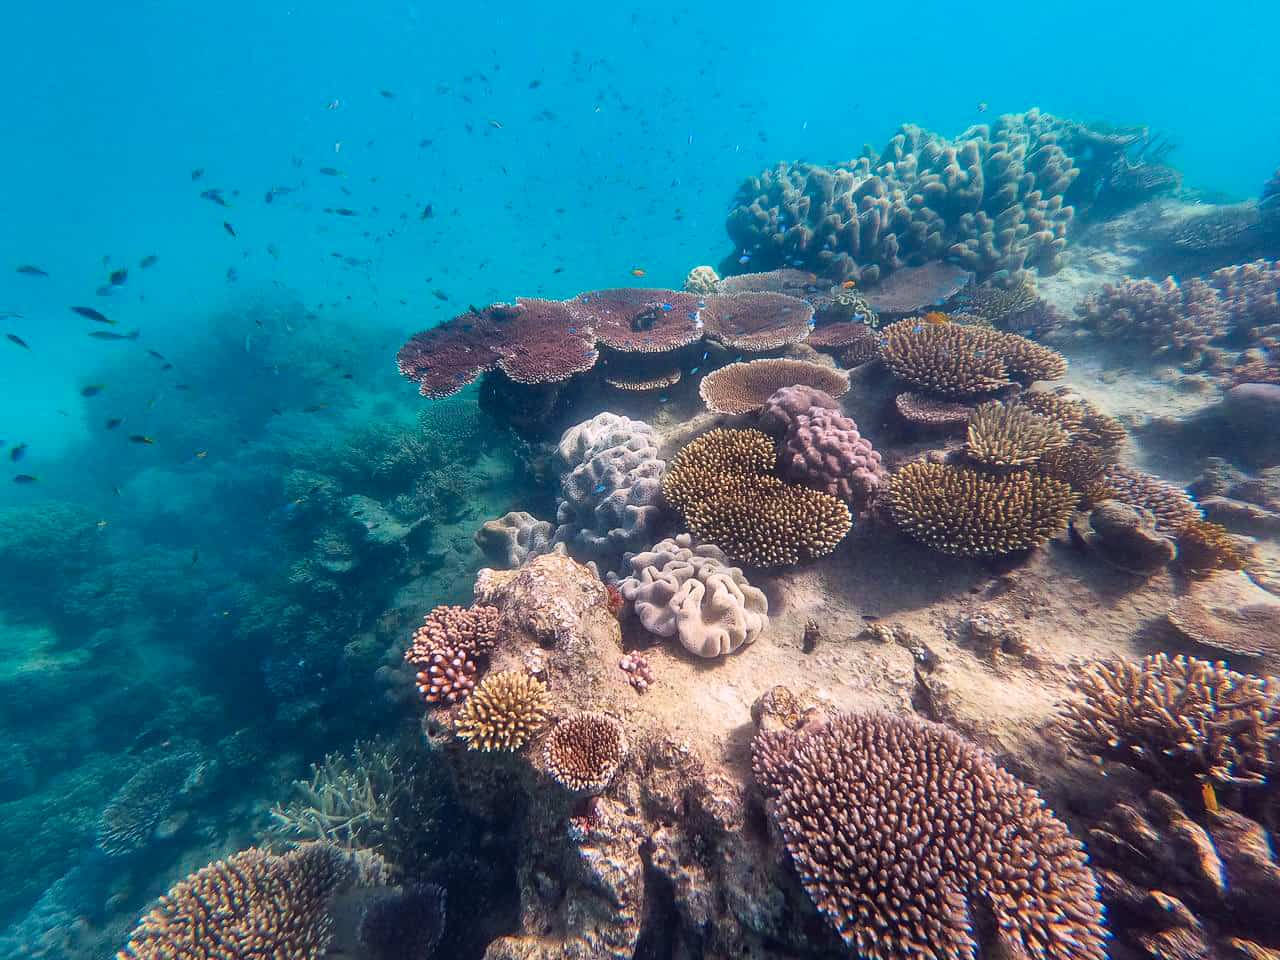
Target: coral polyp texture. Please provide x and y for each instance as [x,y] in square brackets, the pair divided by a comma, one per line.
[583,752]
[471,630]
[959,360]
[756,322]
[1204,546]
[1172,506]
[723,486]
[996,201]
[965,512]
[1009,436]
[911,289]
[903,834]
[136,814]
[852,342]
[932,413]
[514,537]
[503,712]
[784,405]
[1178,719]
[446,675]
[745,386]
[823,449]
[677,589]
[253,904]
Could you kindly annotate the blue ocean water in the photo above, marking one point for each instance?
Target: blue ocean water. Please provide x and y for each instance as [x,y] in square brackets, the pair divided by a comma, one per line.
[277,162]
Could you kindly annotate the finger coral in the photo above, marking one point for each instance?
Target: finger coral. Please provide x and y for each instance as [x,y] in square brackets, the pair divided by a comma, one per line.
[902,833]
[961,360]
[692,592]
[723,487]
[473,631]
[1178,719]
[584,752]
[253,904]
[1009,436]
[745,386]
[503,712]
[964,512]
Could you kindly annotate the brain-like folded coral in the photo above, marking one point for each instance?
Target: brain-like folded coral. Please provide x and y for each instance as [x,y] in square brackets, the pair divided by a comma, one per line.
[723,486]
[610,492]
[959,360]
[584,752]
[746,386]
[1005,436]
[964,512]
[903,834]
[691,592]
[253,904]
[1178,719]
[503,712]
[997,200]
[823,449]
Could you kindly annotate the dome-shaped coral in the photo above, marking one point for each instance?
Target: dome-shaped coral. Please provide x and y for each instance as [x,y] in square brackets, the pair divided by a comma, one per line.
[958,360]
[693,592]
[584,752]
[710,464]
[961,511]
[701,280]
[824,450]
[503,712]
[903,834]
[472,631]
[744,387]
[1204,546]
[784,405]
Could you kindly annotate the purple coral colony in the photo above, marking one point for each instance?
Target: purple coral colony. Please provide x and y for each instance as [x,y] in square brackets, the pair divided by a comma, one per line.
[908,591]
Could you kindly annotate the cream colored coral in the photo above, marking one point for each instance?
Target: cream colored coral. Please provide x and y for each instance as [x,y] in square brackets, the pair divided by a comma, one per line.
[701,280]
[693,593]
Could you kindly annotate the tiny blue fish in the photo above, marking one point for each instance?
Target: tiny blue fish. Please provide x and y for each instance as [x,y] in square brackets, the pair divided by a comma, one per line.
[666,307]
[573,329]
[663,399]
[705,355]
[693,314]
[600,488]
[745,258]
[701,304]
[917,328]
[694,370]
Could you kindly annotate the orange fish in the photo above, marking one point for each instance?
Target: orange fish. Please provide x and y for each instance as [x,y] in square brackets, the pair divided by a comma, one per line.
[848,285]
[936,316]
[1209,796]
[637,272]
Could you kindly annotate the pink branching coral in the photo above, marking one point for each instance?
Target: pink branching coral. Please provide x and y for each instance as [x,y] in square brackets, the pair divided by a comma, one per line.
[639,673]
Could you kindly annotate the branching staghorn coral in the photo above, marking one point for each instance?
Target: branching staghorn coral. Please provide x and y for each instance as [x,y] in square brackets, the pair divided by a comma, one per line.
[1009,436]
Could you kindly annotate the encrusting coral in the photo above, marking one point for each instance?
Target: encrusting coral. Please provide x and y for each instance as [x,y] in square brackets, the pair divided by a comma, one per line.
[964,512]
[745,386]
[503,712]
[721,483]
[1009,436]
[583,752]
[903,833]
[691,592]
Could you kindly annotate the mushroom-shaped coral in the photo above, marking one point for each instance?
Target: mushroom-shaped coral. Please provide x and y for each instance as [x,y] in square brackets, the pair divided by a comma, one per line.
[745,386]
[1005,436]
[958,360]
[584,752]
[252,904]
[693,592]
[824,450]
[1172,506]
[1178,719]
[961,511]
[902,833]
[503,712]
[722,485]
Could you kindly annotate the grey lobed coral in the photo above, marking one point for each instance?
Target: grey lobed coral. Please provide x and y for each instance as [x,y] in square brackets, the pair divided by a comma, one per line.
[514,537]
[693,592]
[993,201]
[611,490]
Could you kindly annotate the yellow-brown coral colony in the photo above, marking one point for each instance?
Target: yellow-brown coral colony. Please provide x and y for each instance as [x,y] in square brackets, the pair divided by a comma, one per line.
[503,712]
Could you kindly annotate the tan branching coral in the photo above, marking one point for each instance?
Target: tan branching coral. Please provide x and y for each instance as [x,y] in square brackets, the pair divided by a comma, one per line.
[964,512]
[721,484]
[1204,546]
[1172,506]
[1080,465]
[961,360]
[503,712]
[745,386]
[584,752]
[140,808]
[902,832]
[1010,437]
[252,904]
[472,631]
[1179,719]
[1084,422]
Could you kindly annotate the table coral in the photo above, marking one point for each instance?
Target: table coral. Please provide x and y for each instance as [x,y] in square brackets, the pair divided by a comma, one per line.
[745,386]
[956,360]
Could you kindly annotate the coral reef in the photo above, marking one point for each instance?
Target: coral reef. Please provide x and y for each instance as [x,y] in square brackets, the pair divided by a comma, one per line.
[701,280]
[146,806]
[958,360]
[721,483]
[583,752]
[471,630]
[691,592]
[1080,465]
[964,512]
[514,537]
[1124,536]
[852,342]
[503,712]
[756,322]
[745,386]
[609,494]
[896,826]
[922,410]
[912,289]
[785,404]
[823,449]
[1204,546]
[1004,436]
[1172,507]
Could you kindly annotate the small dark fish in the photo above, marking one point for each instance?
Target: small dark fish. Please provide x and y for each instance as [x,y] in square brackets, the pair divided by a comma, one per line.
[195,557]
[197,173]
[157,354]
[232,274]
[215,196]
[92,390]
[424,143]
[427,213]
[315,408]
[18,452]
[25,478]
[440,294]
[342,211]
[14,338]
[147,262]
[331,171]
[140,438]
[388,94]
[109,335]
[114,422]
[91,314]
[229,228]
[182,386]
[118,277]
[105,290]
[534,84]
[30,270]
